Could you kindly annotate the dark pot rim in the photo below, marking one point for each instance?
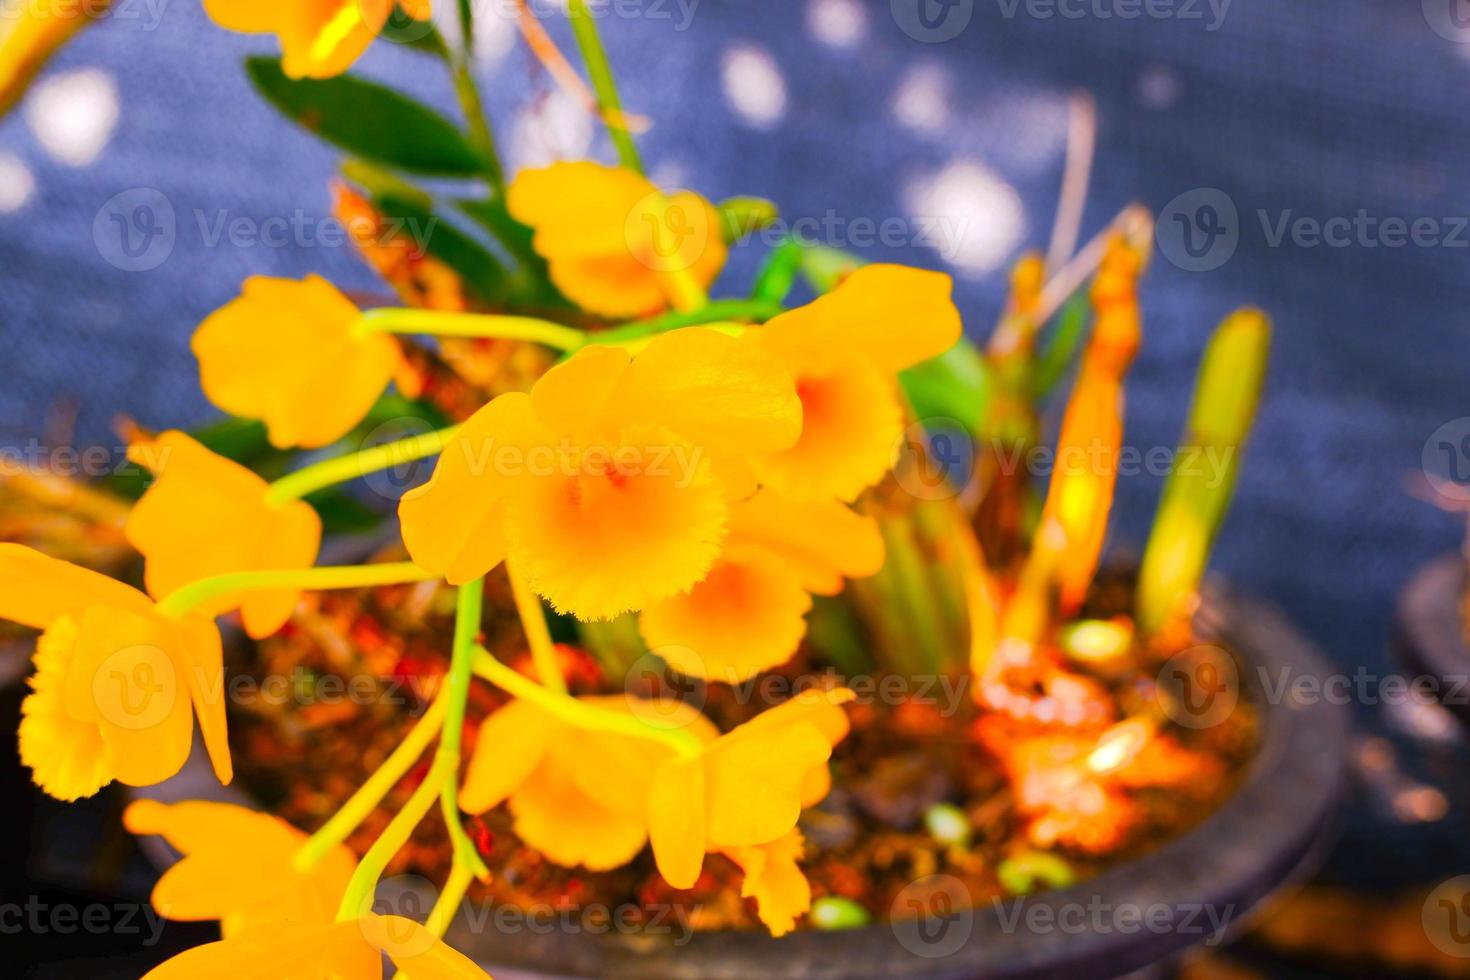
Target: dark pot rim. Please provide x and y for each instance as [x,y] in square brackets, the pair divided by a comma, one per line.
[1196,889]
[1431,631]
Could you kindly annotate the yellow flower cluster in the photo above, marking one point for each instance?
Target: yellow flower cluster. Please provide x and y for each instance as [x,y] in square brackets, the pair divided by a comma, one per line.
[700,477]
[595,799]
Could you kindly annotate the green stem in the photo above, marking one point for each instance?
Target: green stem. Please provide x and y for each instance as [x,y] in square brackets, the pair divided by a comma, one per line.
[376,788]
[538,636]
[346,577]
[584,28]
[577,714]
[717,311]
[461,64]
[356,900]
[448,904]
[343,469]
[468,613]
[442,324]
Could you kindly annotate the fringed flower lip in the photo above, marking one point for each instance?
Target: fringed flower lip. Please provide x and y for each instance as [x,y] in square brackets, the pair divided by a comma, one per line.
[118,681]
[608,486]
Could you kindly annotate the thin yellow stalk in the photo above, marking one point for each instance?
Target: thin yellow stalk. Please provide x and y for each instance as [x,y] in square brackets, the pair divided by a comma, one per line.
[376,788]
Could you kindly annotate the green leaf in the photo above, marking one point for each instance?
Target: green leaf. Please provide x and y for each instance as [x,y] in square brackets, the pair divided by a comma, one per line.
[955,385]
[369,120]
[741,217]
[824,267]
[1061,349]
[516,237]
[482,273]
[536,285]
[1199,488]
[778,275]
[417,35]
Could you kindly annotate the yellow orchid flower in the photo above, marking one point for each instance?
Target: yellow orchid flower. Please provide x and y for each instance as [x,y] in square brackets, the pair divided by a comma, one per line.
[237,867]
[746,790]
[578,797]
[615,244]
[289,353]
[319,38]
[749,613]
[114,681]
[846,350]
[206,515]
[773,878]
[605,487]
[351,950]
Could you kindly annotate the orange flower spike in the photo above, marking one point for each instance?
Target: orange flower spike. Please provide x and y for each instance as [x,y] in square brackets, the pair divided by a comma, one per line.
[350,950]
[289,353]
[419,279]
[846,350]
[603,485]
[748,787]
[748,614]
[1016,336]
[237,867]
[319,38]
[578,797]
[617,245]
[117,683]
[205,516]
[1118,329]
[1080,496]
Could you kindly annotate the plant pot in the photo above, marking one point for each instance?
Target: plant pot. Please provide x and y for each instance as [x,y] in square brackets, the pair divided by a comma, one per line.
[1431,631]
[1196,889]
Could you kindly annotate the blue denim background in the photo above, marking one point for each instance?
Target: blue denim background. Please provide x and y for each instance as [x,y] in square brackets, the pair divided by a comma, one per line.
[1317,106]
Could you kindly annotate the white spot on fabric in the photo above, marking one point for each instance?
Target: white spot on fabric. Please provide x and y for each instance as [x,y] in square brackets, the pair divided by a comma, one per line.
[922,99]
[754,86]
[74,114]
[556,127]
[1160,87]
[837,23]
[17,185]
[976,218]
